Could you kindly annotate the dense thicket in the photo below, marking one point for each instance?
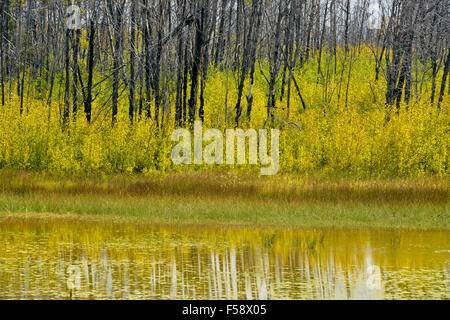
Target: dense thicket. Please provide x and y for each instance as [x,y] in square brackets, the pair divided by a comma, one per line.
[362,85]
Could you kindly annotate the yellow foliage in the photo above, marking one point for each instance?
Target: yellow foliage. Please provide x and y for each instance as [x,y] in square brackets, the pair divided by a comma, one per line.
[359,137]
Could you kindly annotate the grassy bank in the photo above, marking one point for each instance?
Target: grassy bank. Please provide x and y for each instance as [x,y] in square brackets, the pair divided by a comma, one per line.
[219,199]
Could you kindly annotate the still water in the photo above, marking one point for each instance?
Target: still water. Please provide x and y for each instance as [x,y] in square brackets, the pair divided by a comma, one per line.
[94,260]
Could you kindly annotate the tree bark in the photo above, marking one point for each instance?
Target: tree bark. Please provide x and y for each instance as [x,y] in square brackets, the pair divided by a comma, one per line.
[196,65]
[132,61]
[444,80]
[90,63]
[2,62]
[76,45]
[116,12]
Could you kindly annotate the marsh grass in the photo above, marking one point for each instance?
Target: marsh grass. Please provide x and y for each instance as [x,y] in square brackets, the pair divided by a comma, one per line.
[218,199]
[289,189]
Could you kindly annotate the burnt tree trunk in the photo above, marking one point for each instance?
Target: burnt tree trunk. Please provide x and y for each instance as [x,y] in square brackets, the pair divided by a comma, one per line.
[444,80]
[180,66]
[246,59]
[196,63]
[116,12]
[275,64]
[132,61]
[146,53]
[254,45]
[76,46]
[2,62]
[90,64]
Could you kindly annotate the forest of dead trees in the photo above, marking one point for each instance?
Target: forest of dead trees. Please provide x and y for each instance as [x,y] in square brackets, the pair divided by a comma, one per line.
[158,53]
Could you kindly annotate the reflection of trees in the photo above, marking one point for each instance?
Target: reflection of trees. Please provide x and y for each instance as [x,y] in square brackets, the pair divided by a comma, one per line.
[144,263]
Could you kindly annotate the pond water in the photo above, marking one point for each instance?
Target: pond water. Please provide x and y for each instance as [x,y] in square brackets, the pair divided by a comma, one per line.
[93,260]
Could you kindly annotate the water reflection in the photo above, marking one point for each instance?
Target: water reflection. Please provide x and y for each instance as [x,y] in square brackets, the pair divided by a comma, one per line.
[105,261]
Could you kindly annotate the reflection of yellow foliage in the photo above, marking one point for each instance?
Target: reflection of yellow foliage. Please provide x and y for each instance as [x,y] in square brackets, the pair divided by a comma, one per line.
[150,262]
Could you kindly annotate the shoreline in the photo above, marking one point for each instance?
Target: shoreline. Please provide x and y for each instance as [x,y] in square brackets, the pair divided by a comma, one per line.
[40,218]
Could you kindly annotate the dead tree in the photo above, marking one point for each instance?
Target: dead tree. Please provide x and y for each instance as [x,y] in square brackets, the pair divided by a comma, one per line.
[76,46]
[116,13]
[399,49]
[132,49]
[200,31]
[247,56]
[275,62]
[90,64]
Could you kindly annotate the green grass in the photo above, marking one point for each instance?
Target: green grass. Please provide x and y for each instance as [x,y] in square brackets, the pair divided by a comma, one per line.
[208,199]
